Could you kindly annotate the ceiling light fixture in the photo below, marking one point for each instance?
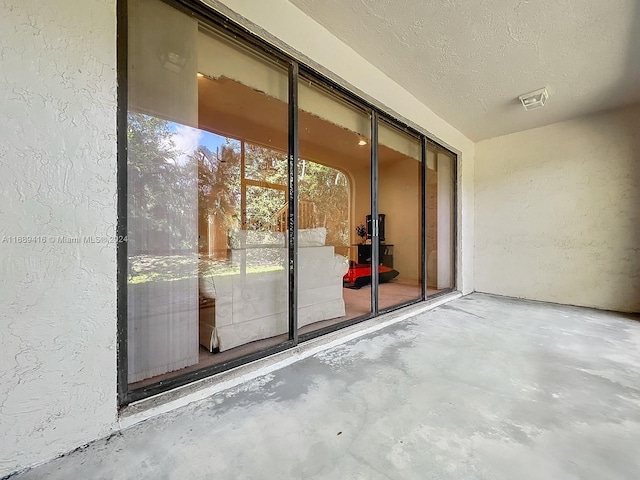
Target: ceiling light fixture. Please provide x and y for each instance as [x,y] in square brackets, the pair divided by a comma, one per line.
[362,142]
[533,100]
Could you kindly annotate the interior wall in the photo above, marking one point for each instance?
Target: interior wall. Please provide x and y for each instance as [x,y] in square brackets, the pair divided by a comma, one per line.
[400,198]
[432,223]
[558,212]
[58,184]
[446,221]
[361,202]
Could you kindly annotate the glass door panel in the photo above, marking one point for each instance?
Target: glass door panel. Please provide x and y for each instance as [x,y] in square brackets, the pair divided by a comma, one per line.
[399,207]
[334,177]
[202,287]
[242,97]
[441,172]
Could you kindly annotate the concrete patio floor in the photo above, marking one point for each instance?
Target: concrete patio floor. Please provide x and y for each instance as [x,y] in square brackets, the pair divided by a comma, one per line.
[481,388]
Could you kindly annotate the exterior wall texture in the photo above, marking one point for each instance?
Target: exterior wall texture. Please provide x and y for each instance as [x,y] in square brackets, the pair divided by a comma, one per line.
[558,212]
[58,183]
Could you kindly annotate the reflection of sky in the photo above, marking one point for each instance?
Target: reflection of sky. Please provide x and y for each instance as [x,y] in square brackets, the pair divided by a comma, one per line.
[187,139]
[211,140]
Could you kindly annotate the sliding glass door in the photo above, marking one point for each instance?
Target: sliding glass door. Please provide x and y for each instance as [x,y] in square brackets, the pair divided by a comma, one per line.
[399,217]
[440,205]
[263,204]
[207,146]
[334,171]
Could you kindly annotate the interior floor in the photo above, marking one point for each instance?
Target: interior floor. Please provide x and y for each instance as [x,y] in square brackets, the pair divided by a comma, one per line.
[481,387]
[357,304]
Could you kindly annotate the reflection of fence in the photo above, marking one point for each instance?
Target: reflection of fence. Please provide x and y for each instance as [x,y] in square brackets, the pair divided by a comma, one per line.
[307,217]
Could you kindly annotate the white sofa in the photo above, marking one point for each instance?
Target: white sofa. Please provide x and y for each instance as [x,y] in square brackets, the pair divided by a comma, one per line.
[251,291]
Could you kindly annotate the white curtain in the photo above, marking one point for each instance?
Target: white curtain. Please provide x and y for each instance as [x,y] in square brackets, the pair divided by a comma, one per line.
[162,290]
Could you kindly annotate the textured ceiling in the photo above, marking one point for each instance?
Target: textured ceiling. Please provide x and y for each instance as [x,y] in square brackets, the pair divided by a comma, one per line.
[470,60]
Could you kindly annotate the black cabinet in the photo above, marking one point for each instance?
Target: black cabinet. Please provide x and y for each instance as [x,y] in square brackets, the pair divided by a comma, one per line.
[386,254]
[364,253]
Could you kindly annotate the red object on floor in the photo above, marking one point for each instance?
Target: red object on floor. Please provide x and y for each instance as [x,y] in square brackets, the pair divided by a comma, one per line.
[359,274]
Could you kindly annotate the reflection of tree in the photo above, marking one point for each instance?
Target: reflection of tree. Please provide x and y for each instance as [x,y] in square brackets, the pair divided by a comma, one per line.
[325,187]
[265,164]
[219,195]
[161,183]
[264,200]
[328,189]
[219,183]
[263,204]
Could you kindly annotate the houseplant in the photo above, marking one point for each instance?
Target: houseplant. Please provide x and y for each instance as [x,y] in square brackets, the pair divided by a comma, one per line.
[361,231]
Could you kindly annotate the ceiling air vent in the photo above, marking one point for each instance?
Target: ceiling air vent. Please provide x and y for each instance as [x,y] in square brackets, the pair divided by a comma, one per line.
[533,100]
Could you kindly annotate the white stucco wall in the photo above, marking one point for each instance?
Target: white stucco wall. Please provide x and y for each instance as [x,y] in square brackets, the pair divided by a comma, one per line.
[558,212]
[57,178]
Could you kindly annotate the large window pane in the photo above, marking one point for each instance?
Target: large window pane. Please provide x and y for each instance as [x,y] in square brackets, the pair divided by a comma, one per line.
[334,195]
[207,140]
[207,200]
[399,206]
[440,220]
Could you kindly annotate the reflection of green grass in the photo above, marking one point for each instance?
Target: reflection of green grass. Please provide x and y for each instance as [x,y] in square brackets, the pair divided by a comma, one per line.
[171,268]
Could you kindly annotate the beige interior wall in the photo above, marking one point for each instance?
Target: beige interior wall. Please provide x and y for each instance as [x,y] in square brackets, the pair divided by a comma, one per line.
[432,222]
[445,219]
[361,202]
[399,200]
[558,212]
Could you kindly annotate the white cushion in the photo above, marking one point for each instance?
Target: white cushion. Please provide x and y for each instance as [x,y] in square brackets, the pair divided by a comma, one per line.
[312,237]
[206,285]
